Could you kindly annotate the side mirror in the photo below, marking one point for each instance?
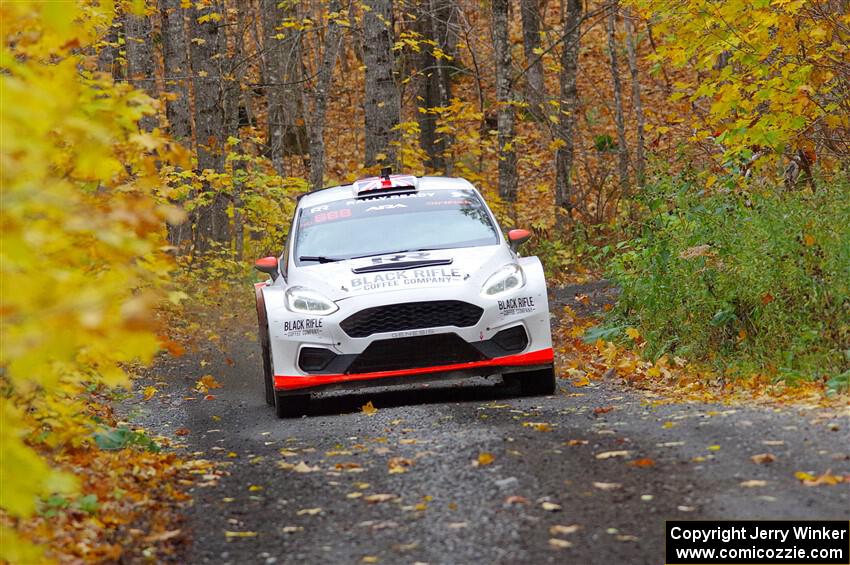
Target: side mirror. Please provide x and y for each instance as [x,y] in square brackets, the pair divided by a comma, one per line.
[518,237]
[267,265]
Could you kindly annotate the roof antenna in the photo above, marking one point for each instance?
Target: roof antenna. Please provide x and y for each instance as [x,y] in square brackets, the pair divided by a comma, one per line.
[386,172]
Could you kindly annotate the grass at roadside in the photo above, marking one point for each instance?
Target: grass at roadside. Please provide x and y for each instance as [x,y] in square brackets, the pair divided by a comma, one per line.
[752,284]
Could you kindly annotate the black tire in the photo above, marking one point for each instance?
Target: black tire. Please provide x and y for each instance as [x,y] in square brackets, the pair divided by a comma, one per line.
[535,383]
[291,406]
[265,344]
[268,378]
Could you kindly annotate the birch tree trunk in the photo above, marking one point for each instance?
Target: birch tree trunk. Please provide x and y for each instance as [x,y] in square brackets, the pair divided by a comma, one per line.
[316,121]
[622,148]
[208,52]
[535,90]
[140,66]
[175,55]
[504,98]
[637,104]
[569,105]
[382,105]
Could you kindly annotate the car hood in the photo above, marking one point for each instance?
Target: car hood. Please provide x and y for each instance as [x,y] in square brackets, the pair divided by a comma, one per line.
[443,268]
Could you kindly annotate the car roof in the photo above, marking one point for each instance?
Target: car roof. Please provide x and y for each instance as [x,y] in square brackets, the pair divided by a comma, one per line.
[347,191]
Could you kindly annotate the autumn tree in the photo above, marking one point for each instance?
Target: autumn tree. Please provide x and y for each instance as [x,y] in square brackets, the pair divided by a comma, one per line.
[535,89]
[320,93]
[637,104]
[617,86]
[140,60]
[505,100]
[282,46]
[381,97]
[208,44]
[571,18]
[432,25]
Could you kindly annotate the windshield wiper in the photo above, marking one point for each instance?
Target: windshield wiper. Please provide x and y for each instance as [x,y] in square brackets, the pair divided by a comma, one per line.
[319,258]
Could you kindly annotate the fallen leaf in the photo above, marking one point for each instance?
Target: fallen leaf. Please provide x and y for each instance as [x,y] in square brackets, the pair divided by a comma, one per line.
[399,465]
[229,534]
[516,499]
[602,410]
[714,448]
[572,442]
[484,459]
[205,383]
[559,530]
[610,454]
[356,494]
[827,478]
[255,488]
[773,442]
[550,507]
[369,409]
[303,467]
[607,486]
[763,458]
[633,334]
[559,543]
[626,537]
[753,483]
[457,525]
[291,529]
[162,536]
[377,498]
[539,426]
[643,462]
[580,382]
[347,465]
[369,559]
[149,392]
[308,511]
[181,432]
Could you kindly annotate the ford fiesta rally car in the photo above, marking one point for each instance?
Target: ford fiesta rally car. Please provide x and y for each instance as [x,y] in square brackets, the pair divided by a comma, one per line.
[398,279]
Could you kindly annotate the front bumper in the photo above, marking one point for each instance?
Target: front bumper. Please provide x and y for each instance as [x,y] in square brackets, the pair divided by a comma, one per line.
[499,365]
[465,348]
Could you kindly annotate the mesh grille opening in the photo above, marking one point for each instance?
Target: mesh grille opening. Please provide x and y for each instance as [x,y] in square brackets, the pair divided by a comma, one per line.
[414,353]
[411,316]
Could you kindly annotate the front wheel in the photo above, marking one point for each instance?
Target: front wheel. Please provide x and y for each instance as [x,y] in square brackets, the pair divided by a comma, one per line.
[291,406]
[534,383]
[268,378]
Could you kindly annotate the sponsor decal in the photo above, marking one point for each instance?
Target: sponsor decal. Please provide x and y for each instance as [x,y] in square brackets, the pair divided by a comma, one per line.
[411,333]
[307,326]
[400,257]
[385,207]
[392,197]
[518,305]
[413,277]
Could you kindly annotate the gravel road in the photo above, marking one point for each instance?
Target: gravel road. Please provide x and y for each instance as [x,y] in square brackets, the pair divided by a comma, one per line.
[549,466]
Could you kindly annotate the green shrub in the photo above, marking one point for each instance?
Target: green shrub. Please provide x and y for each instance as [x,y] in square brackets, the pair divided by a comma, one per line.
[745,281]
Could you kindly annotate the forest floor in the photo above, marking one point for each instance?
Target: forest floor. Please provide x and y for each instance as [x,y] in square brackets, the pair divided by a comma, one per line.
[466,473]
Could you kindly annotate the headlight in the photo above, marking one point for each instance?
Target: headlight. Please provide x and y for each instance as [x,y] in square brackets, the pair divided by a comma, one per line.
[506,279]
[304,301]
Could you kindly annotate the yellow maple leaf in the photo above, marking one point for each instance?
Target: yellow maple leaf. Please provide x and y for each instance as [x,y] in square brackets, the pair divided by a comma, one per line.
[369,408]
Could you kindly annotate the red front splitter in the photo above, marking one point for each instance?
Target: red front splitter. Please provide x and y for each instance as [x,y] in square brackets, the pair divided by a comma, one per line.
[285,382]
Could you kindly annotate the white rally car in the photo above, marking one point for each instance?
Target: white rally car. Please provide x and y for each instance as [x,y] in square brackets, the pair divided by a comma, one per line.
[399,279]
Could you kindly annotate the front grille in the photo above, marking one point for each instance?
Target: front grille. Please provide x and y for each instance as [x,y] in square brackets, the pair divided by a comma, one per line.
[414,353]
[411,316]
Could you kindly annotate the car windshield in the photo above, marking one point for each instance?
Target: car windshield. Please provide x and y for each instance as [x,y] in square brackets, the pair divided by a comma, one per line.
[405,222]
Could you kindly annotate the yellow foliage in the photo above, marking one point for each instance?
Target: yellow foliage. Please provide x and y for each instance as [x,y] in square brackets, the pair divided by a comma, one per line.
[82,232]
[764,70]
